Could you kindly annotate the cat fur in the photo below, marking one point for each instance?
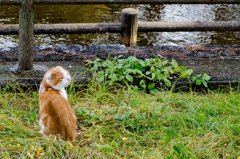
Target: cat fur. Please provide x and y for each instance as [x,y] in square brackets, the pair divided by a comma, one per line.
[56,115]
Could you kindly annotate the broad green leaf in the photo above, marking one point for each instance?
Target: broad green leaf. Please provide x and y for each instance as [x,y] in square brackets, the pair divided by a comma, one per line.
[139,72]
[153,76]
[167,82]
[129,78]
[81,111]
[152,69]
[183,75]
[91,114]
[112,111]
[182,68]
[118,116]
[142,63]
[33,115]
[205,77]
[113,77]
[95,145]
[190,71]
[169,68]
[174,64]
[100,79]
[137,66]
[129,70]
[198,82]
[151,86]
[125,116]
[148,72]
[204,83]
[186,74]
[120,66]
[131,58]
[153,91]
[114,144]
[194,78]
[121,78]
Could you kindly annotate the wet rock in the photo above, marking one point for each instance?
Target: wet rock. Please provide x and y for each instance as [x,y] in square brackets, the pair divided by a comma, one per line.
[9,54]
[156,48]
[226,46]
[38,70]
[235,46]
[142,52]
[64,52]
[171,48]
[101,49]
[62,48]
[9,50]
[104,51]
[42,48]
[75,49]
[228,53]
[213,46]
[213,51]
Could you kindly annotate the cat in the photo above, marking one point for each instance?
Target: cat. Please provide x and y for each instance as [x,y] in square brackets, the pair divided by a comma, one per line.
[56,115]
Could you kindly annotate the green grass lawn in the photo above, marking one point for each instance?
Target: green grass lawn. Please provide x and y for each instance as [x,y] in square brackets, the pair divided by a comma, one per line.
[123,123]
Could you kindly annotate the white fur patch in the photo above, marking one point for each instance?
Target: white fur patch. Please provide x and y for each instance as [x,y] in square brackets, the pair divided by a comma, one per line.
[41,125]
[40,121]
[65,82]
[63,93]
[48,78]
[40,88]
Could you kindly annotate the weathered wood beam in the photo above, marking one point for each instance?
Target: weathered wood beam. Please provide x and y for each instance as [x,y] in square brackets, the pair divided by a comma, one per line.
[10,2]
[117,27]
[189,26]
[129,21]
[17,2]
[138,1]
[26,22]
[65,28]
[77,28]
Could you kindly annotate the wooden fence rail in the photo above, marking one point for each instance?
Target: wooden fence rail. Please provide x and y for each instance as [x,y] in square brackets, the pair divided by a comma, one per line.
[153,26]
[18,2]
[128,27]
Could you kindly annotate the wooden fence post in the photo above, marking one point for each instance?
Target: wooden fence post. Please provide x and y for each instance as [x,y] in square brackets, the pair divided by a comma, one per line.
[130,27]
[26,35]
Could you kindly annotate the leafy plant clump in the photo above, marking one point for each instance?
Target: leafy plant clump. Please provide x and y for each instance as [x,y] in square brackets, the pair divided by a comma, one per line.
[143,75]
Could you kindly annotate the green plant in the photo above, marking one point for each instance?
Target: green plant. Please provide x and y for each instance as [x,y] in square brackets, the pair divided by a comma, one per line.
[179,150]
[201,79]
[145,75]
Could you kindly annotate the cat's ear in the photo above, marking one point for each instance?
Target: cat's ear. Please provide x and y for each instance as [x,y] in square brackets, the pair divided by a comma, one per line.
[48,76]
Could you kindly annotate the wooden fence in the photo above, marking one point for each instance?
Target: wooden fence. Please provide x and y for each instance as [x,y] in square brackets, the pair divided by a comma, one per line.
[128,27]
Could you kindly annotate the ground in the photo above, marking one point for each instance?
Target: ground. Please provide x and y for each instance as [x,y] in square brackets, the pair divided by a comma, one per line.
[122,123]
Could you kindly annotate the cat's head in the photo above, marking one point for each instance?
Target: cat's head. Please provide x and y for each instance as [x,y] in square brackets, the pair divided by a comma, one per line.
[57,78]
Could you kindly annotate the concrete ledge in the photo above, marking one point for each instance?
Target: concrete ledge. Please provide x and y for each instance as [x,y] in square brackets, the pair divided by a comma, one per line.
[220,62]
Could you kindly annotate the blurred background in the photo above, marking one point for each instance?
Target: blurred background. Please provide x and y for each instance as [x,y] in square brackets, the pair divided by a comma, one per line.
[105,13]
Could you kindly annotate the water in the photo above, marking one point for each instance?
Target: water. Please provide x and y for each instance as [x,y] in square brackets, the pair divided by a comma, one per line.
[50,14]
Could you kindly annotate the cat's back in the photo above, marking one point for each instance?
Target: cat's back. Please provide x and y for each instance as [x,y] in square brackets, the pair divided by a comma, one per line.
[52,99]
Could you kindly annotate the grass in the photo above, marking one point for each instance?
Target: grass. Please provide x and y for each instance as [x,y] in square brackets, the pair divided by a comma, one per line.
[122,123]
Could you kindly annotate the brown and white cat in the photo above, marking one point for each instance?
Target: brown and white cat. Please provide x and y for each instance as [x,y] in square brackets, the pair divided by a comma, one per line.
[56,115]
